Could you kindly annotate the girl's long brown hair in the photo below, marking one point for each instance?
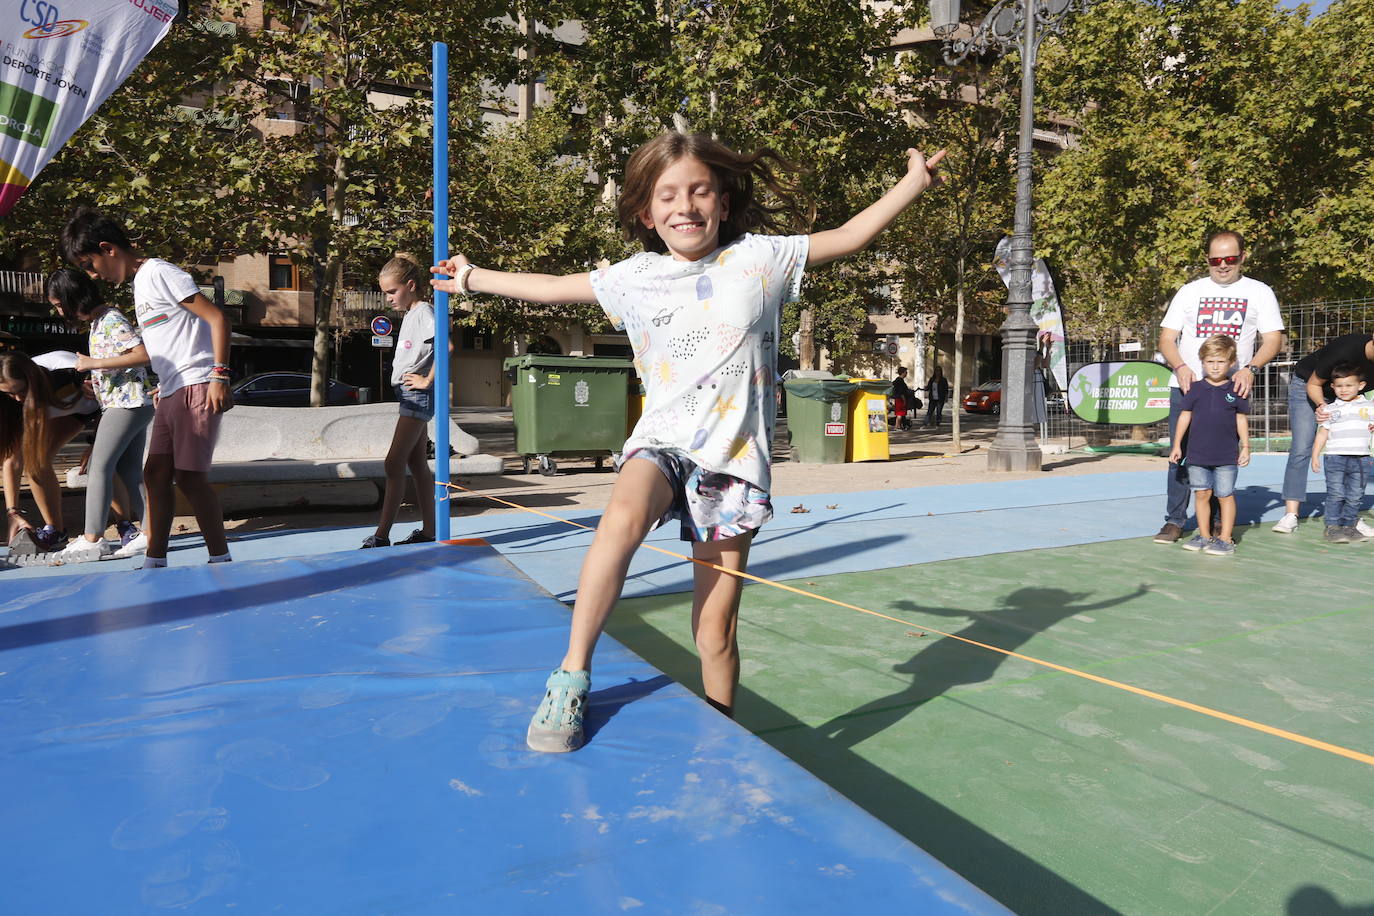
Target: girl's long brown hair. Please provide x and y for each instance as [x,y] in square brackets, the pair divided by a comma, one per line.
[24,425]
[737,175]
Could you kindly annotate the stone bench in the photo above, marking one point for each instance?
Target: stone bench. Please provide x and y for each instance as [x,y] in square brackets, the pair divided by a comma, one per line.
[282,444]
[273,445]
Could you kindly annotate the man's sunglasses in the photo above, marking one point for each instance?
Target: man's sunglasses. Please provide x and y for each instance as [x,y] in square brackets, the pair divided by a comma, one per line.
[1228,260]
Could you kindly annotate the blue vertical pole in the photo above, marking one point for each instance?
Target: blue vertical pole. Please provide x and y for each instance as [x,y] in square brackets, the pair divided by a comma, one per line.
[441,360]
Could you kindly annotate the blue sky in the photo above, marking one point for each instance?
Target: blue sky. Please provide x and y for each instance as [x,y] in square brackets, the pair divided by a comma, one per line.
[1317,5]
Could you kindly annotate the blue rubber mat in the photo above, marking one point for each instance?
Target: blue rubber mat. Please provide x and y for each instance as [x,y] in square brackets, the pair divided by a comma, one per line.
[344,733]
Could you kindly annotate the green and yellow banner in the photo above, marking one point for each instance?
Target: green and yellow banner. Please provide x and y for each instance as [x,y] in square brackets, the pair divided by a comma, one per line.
[61,60]
[1131,393]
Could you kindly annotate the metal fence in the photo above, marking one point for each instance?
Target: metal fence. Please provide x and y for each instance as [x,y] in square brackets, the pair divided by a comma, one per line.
[1308,327]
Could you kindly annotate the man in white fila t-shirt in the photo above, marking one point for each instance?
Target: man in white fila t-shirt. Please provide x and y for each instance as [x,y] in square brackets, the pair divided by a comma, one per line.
[1223,302]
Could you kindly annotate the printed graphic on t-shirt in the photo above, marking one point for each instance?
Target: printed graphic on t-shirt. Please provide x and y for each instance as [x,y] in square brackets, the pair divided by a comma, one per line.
[1220,315]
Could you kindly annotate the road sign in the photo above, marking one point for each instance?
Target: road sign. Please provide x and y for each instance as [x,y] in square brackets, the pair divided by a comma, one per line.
[892,348]
[378,341]
[381,326]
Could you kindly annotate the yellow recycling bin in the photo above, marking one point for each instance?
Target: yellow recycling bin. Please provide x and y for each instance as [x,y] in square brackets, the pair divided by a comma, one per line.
[868,421]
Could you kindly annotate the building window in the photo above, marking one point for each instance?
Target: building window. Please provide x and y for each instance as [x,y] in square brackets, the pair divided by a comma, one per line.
[282,274]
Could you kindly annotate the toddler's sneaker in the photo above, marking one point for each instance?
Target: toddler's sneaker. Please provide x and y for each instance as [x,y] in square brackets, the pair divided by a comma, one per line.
[1335,534]
[1364,528]
[132,547]
[1220,548]
[1287,525]
[80,550]
[557,724]
[1198,542]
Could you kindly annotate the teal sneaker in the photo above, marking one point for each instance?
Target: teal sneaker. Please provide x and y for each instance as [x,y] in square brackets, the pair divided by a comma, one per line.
[557,724]
[1198,542]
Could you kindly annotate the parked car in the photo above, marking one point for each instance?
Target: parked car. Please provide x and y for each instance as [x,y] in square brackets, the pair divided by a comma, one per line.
[289,389]
[986,398]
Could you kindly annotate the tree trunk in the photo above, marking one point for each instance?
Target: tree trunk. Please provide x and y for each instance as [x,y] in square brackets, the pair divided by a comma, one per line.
[324,292]
[954,389]
[806,346]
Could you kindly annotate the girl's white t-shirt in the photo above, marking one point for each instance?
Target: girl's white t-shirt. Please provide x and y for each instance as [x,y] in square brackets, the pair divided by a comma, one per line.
[178,342]
[705,341]
[414,342]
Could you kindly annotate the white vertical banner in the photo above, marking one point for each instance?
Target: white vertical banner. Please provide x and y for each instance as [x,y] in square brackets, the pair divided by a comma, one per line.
[1045,310]
[61,60]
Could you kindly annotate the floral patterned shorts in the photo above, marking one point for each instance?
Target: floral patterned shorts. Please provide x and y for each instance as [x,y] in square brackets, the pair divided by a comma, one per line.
[709,506]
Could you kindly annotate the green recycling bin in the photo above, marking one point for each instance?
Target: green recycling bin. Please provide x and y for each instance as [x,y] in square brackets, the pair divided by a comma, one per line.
[568,407]
[818,418]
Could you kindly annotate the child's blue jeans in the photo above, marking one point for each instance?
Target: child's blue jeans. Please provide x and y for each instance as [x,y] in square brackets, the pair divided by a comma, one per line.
[1345,480]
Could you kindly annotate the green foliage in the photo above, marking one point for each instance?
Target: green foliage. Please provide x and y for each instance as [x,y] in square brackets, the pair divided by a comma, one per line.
[1200,115]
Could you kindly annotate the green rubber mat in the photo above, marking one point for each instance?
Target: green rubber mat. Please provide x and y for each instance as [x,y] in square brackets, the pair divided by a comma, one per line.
[1058,795]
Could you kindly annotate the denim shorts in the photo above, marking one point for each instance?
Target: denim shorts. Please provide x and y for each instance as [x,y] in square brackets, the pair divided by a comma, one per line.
[1221,480]
[708,506]
[415,402]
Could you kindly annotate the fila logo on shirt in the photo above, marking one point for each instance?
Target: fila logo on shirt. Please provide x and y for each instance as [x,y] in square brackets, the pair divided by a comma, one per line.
[1220,315]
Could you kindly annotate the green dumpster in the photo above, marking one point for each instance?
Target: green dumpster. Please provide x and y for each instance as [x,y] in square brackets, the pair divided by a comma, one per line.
[818,417]
[568,407]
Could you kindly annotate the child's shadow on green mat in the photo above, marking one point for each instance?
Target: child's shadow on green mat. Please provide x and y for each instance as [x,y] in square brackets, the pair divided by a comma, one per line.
[947,663]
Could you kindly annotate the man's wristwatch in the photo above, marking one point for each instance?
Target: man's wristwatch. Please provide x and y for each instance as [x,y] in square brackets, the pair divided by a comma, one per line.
[1254,370]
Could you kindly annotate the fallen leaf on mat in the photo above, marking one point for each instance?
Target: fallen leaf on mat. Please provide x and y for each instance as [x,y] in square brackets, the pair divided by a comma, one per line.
[797,510]
[836,506]
[914,633]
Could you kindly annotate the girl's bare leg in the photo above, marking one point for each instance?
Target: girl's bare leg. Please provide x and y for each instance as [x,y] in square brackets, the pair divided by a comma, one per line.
[640,497]
[158,477]
[715,617]
[423,478]
[43,480]
[410,431]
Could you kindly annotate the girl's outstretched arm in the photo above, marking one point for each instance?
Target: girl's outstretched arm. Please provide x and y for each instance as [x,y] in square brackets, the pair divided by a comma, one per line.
[456,275]
[857,234]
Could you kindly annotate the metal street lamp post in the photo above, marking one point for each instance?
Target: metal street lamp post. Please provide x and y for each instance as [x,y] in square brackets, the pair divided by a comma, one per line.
[1019,24]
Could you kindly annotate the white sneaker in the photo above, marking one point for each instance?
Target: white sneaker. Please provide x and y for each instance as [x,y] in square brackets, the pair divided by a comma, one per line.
[1288,524]
[133,548]
[80,550]
[1363,527]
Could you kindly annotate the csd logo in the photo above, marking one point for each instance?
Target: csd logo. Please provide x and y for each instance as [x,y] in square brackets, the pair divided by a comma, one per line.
[47,21]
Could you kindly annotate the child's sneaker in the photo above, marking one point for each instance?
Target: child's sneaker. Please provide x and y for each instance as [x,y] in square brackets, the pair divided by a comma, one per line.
[1198,542]
[375,540]
[557,724]
[1288,524]
[80,550]
[50,540]
[1220,548]
[1355,535]
[1335,534]
[1364,528]
[416,537]
[133,547]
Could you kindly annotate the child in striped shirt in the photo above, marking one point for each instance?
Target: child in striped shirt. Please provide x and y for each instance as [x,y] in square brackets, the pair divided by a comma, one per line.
[1345,437]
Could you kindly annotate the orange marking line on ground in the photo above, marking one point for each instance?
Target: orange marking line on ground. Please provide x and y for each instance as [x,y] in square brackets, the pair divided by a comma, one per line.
[1359,756]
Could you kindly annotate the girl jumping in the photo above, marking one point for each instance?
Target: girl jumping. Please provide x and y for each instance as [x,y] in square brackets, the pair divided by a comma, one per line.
[701,306]
[412,378]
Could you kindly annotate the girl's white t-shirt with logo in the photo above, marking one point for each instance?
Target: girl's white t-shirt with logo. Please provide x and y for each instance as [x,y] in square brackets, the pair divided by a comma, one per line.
[178,342]
[414,342]
[705,341]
